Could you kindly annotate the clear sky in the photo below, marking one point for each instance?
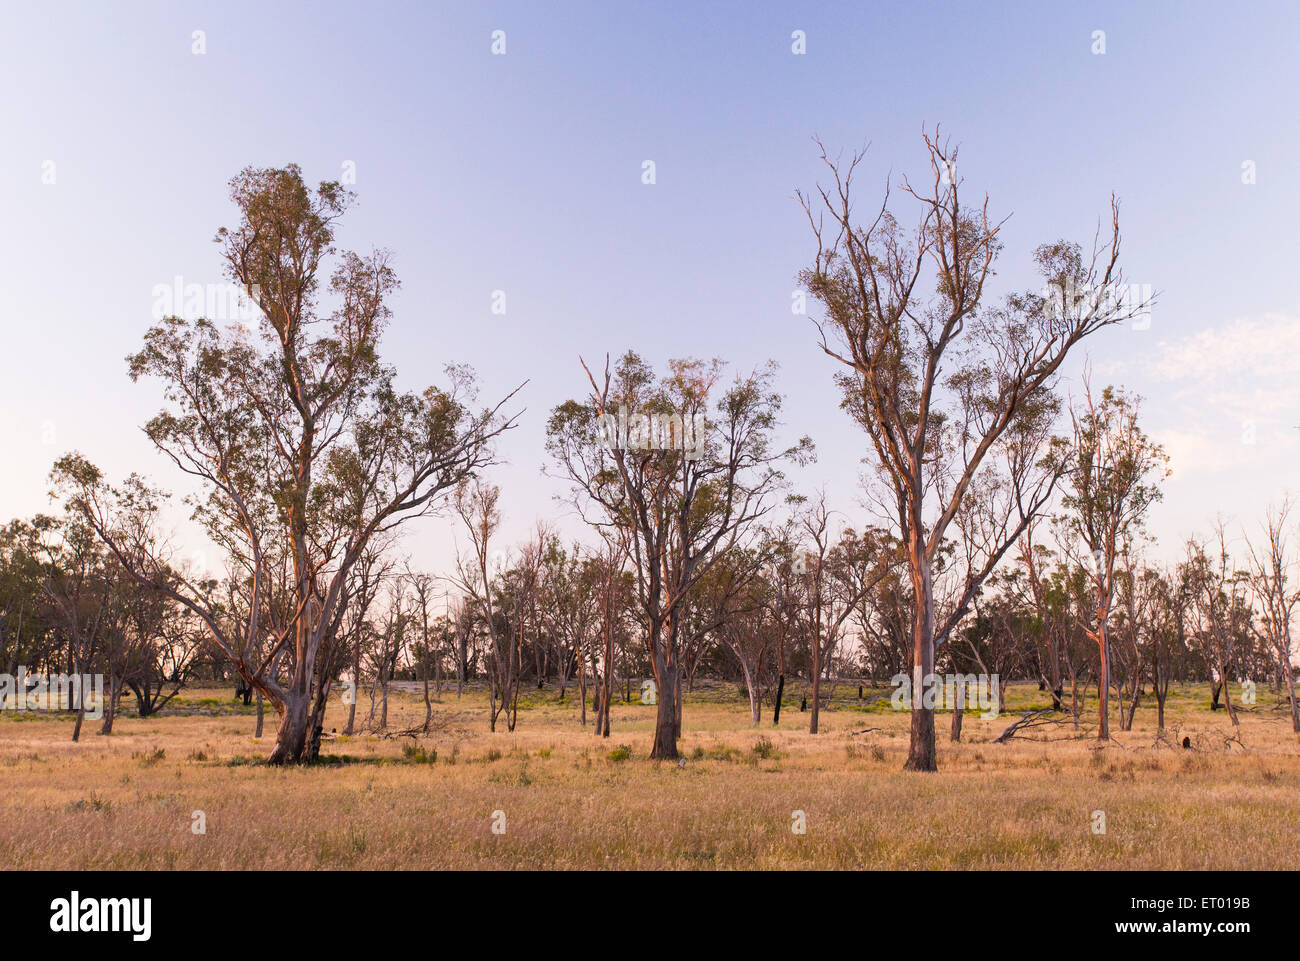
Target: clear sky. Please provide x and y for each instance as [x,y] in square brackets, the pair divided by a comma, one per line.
[522,173]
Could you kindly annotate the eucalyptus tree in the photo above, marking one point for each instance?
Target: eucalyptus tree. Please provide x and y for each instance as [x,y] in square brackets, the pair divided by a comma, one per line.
[1222,611]
[681,465]
[427,651]
[1275,581]
[82,582]
[479,577]
[570,608]
[955,394]
[298,413]
[169,660]
[750,632]
[839,571]
[27,615]
[1112,486]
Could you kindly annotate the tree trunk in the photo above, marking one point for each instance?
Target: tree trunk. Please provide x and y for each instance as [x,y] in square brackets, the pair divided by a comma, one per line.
[291,735]
[677,708]
[582,689]
[1135,695]
[754,706]
[1290,687]
[1103,687]
[428,704]
[607,699]
[665,742]
[816,685]
[1227,699]
[921,751]
[110,706]
[780,692]
[437,674]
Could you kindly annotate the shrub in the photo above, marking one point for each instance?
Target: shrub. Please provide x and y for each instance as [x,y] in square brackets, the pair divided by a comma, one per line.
[416,754]
[764,748]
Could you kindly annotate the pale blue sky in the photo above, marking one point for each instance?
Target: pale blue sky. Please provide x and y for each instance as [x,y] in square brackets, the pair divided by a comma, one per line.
[523,173]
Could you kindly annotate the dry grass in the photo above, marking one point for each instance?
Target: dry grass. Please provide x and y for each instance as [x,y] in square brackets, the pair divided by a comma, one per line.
[572,800]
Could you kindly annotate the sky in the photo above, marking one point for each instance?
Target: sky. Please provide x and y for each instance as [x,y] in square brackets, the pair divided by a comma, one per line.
[522,172]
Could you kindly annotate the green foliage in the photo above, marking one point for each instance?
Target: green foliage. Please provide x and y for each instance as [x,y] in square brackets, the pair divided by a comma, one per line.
[417,754]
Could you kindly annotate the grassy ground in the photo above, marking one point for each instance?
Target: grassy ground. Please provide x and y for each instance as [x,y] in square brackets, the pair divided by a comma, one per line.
[568,799]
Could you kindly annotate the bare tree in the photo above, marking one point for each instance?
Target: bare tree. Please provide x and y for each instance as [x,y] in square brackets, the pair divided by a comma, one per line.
[941,381]
[839,571]
[427,652]
[1222,610]
[1276,586]
[476,504]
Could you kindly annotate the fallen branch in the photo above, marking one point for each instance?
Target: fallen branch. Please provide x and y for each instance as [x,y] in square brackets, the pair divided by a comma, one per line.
[1028,720]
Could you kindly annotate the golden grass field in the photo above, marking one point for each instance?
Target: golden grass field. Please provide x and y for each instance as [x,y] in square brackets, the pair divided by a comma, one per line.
[572,800]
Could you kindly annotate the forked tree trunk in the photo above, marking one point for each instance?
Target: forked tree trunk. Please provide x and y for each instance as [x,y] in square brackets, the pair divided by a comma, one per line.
[1135,696]
[110,706]
[1227,698]
[81,700]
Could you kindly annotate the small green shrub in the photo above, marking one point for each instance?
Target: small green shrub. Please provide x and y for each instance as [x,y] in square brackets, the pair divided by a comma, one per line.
[417,754]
